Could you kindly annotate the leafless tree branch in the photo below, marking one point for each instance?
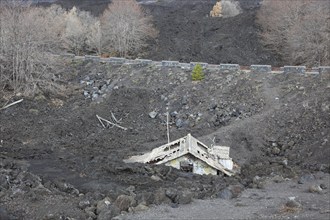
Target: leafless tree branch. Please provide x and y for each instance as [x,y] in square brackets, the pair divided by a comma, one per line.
[297,30]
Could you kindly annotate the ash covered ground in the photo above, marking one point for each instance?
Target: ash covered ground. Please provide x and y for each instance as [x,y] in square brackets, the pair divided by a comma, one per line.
[187,33]
[57,161]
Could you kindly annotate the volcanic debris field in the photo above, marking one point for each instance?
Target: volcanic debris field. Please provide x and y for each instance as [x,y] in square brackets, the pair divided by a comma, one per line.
[59,162]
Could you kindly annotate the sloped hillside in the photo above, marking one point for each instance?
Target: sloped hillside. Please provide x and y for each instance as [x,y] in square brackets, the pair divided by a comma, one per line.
[57,159]
[187,32]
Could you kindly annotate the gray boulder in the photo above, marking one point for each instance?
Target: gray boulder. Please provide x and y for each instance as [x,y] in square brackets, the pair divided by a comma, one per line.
[109,213]
[123,202]
[225,194]
[103,205]
[179,123]
[185,197]
[172,194]
[160,197]
[83,204]
[306,178]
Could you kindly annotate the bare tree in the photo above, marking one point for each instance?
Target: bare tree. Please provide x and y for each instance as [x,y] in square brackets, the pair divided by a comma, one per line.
[309,42]
[76,30]
[126,27]
[28,38]
[94,39]
[297,30]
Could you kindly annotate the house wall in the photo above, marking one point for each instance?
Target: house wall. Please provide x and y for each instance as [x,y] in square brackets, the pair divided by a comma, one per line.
[227,163]
[199,167]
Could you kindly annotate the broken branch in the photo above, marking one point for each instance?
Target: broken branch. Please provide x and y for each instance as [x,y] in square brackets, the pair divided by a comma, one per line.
[115,119]
[11,104]
[109,123]
[100,121]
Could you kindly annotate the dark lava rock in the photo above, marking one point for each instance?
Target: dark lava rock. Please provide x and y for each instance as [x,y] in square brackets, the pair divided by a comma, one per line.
[160,197]
[184,100]
[68,188]
[123,202]
[4,181]
[179,123]
[105,210]
[141,207]
[83,204]
[185,197]
[323,186]
[172,194]
[236,190]
[174,114]
[91,212]
[275,150]
[145,197]
[225,194]
[109,213]
[103,205]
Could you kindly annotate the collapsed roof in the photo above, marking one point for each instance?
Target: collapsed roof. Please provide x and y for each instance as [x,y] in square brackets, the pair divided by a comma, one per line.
[216,157]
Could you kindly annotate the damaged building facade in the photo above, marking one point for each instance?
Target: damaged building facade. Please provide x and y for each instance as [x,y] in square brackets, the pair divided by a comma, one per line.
[190,155]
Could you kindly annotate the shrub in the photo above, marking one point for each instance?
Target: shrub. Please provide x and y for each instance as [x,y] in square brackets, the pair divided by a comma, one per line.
[126,27]
[197,73]
[28,40]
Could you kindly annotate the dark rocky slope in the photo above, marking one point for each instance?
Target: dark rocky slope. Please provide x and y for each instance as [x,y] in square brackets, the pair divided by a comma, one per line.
[57,160]
[187,33]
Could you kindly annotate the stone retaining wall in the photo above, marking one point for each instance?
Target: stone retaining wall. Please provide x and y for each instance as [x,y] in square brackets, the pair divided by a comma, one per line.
[261,68]
[294,69]
[222,67]
[229,67]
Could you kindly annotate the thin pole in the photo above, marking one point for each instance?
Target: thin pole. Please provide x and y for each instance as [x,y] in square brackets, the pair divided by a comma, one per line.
[168,129]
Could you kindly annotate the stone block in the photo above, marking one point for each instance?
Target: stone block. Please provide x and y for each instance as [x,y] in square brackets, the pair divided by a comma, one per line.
[118,60]
[294,69]
[184,65]
[313,71]
[324,69]
[79,57]
[157,63]
[261,68]
[167,63]
[105,60]
[193,64]
[93,58]
[213,67]
[144,61]
[68,55]
[229,67]
[132,62]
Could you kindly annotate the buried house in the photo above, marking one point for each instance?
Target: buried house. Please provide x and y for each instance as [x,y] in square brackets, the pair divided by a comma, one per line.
[190,155]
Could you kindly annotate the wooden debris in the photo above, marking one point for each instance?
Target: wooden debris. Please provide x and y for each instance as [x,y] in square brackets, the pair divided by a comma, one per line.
[11,104]
[109,123]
